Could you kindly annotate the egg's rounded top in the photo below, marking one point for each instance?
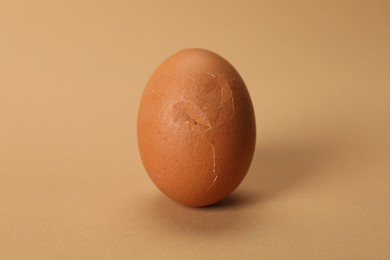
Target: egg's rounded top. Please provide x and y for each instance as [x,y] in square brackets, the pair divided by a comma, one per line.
[196,127]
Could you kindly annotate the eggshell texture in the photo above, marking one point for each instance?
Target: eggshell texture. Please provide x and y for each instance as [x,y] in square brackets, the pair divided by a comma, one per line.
[196,128]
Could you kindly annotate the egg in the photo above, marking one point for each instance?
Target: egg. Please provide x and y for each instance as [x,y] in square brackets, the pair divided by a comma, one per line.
[196,128]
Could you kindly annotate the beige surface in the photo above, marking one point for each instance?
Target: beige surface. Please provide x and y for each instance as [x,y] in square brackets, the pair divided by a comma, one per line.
[72,185]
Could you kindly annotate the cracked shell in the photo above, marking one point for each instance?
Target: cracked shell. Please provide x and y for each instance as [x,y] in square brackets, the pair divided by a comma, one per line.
[196,128]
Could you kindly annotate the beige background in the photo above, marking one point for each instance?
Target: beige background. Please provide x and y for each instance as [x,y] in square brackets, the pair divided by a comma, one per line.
[72,185]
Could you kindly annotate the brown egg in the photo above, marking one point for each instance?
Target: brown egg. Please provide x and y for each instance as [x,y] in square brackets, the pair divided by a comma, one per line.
[196,128]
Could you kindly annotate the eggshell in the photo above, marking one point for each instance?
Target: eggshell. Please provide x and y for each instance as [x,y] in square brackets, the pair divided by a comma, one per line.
[196,128]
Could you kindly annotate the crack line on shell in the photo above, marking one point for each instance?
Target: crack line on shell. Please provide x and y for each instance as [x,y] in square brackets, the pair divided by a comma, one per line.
[212,184]
[211,74]
[214,166]
[213,147]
